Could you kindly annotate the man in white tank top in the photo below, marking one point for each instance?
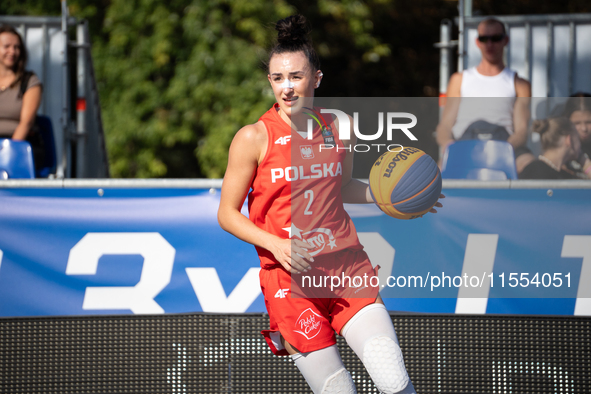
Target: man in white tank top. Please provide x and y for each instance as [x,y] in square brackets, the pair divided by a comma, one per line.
[497,94]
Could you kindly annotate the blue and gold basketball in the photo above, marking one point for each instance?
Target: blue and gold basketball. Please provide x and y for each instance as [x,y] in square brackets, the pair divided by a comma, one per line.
[405,184]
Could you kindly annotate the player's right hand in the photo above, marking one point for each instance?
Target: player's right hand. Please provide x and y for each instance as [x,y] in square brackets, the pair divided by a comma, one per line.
[293,255]
[300,258]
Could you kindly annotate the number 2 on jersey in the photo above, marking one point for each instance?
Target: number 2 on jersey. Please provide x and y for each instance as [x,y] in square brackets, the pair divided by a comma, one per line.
[310,195]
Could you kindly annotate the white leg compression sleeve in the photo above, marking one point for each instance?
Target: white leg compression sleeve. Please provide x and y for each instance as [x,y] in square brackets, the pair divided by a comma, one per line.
[371,335]
[324,371]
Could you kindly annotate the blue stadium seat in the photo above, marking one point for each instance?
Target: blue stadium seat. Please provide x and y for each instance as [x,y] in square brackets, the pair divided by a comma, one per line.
[16,159]
[476,159]
[50,162]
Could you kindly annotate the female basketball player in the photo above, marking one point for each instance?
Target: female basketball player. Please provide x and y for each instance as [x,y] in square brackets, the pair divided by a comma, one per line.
[296,194]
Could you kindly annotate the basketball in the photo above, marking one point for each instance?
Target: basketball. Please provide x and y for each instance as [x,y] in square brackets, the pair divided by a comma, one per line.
[405,184]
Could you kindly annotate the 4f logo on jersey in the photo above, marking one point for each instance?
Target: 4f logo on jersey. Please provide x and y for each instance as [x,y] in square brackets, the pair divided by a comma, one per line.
[283,140]
[307,152]
[281,293]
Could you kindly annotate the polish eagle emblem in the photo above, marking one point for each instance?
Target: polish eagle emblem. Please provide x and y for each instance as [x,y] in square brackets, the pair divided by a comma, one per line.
[307,152]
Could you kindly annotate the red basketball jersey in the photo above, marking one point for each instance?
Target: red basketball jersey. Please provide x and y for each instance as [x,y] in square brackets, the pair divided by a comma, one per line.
[296,192]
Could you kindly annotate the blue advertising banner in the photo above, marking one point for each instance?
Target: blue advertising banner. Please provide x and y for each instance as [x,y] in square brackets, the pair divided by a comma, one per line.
[89,251]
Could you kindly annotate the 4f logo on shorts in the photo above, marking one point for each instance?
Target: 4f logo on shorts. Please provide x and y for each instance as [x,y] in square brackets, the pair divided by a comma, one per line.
[281,293]
[308,324]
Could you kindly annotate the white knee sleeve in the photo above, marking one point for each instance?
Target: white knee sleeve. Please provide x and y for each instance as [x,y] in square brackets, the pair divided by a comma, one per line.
[382,358]
[339,383]
[371,335]
[324,371]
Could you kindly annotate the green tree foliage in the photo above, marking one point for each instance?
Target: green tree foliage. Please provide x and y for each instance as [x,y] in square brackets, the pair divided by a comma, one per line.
[29,7]
[179,79]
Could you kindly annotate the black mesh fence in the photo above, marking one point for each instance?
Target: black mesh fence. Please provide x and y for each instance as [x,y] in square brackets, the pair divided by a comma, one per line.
[214,353]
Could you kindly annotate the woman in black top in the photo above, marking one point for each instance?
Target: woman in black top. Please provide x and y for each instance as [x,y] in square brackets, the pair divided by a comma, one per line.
[560,143]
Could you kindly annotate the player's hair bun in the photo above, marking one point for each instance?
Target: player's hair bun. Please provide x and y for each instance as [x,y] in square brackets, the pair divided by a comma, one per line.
[293,36]
[292,31]
[540,126]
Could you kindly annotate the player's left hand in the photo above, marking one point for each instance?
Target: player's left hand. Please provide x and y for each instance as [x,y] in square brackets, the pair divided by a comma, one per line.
[437,204]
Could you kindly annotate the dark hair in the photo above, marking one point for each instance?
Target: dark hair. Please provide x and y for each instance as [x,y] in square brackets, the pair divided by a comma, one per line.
[494,21]
[577,102]
[551,130]
[19,67]
[292,36]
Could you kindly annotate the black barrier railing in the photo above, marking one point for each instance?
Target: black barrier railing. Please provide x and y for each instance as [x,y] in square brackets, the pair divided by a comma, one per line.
[214,353]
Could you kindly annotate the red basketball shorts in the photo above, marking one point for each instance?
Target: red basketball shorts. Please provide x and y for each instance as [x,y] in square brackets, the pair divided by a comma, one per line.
[309,324]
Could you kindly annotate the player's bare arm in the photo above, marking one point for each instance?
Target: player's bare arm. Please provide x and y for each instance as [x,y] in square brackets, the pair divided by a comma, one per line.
[246,151]
[521,114]
[450,112]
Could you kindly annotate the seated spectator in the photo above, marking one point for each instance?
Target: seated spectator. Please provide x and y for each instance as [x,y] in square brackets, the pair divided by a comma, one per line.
[560,144]
[578,110]
[20,90]
[504,112]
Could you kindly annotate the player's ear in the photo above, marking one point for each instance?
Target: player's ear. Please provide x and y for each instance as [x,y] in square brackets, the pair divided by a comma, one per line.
[319,76]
